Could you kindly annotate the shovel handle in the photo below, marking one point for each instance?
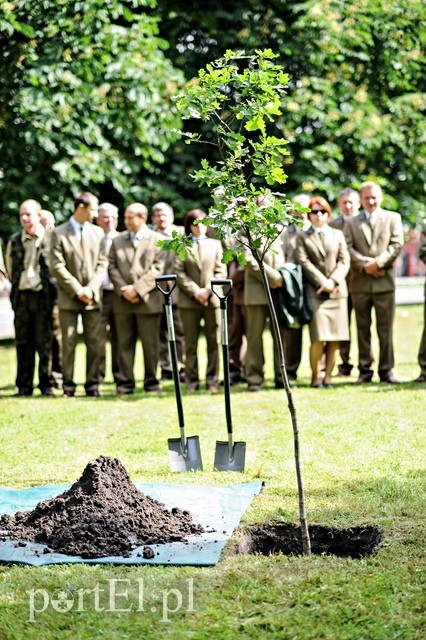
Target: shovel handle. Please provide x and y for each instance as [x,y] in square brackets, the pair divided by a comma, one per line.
[222,283]
[170,277]
[225,350]
[173,349]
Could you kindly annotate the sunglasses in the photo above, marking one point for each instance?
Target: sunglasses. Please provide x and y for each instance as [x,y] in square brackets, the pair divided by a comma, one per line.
[318,211]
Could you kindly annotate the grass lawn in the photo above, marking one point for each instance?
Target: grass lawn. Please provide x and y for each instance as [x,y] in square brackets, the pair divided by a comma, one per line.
[363,452]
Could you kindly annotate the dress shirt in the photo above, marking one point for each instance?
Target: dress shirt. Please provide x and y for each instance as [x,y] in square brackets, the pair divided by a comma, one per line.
[30,279]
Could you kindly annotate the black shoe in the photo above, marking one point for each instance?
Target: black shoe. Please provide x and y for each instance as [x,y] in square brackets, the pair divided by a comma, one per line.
[421,378]
[22,393]
[344,371]
[279,384]
[234,378]
[389,378]
[68,393]
[364,377]
[47,392]
[93,393]
[154,389]
[166,374]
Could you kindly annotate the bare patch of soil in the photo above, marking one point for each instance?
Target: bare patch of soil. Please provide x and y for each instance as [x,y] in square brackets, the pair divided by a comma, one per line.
[355,542]
[102,514]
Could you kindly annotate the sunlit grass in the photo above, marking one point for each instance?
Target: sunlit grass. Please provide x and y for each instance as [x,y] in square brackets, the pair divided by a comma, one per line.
[363,459]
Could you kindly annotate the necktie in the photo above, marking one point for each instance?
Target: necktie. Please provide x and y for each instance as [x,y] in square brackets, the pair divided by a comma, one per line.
[135,240]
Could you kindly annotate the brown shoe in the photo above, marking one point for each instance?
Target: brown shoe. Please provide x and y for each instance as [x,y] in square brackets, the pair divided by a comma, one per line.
[192,387]
[122,394]
[212,388]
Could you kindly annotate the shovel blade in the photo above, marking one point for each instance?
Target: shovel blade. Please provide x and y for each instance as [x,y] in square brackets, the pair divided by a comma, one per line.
[189,460]
[222,460]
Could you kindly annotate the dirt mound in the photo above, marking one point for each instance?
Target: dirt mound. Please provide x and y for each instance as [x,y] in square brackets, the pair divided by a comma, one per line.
[102,514]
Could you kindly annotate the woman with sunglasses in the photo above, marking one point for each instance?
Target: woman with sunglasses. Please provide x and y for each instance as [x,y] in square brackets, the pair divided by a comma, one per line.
[323,255]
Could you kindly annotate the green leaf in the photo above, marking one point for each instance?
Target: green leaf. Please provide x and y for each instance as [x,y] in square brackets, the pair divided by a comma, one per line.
[255,123]
[25,29]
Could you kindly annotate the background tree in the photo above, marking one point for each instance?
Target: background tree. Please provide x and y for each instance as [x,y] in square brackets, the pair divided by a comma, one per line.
[356,86]
[86,88]
[84,100]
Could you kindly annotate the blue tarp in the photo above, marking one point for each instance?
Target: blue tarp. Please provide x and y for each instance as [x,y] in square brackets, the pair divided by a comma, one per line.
[215,507]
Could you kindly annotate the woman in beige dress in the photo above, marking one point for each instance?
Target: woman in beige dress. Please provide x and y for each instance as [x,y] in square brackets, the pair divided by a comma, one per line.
[323,255]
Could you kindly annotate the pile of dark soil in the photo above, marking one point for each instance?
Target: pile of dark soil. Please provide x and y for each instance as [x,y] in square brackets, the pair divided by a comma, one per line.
[102,514]
[354,542]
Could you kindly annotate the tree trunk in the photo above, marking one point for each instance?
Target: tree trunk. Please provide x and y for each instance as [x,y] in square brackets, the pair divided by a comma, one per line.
[306,542]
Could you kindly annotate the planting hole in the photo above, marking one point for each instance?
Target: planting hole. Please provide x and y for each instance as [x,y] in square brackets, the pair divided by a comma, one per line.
[266,540]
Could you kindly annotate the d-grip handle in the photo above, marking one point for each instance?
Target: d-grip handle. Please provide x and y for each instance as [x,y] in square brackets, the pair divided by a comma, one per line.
[221,283]
[170,277]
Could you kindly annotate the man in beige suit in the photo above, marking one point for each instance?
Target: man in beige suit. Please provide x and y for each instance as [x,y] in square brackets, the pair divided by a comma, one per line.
[135,261]
[348,203]
[107,219]
[78,263]
[162,218]
[196,301]
[422,348]
[257,314]
[374,239]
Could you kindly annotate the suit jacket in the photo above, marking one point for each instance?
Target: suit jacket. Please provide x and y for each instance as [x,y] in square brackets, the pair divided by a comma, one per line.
[138,267]
[108,240]
[254,288]
[288,238]
[322,260]
[337,223]
[72,269]
[382,244]
[107,284]
[15,259]
[196,272]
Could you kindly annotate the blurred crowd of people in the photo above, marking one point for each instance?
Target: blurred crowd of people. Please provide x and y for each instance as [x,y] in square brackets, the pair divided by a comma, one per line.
[84,273]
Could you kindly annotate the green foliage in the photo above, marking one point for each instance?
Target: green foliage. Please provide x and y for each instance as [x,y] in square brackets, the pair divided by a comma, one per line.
[355,96]
[241,96]
[179,244]
[85,98]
